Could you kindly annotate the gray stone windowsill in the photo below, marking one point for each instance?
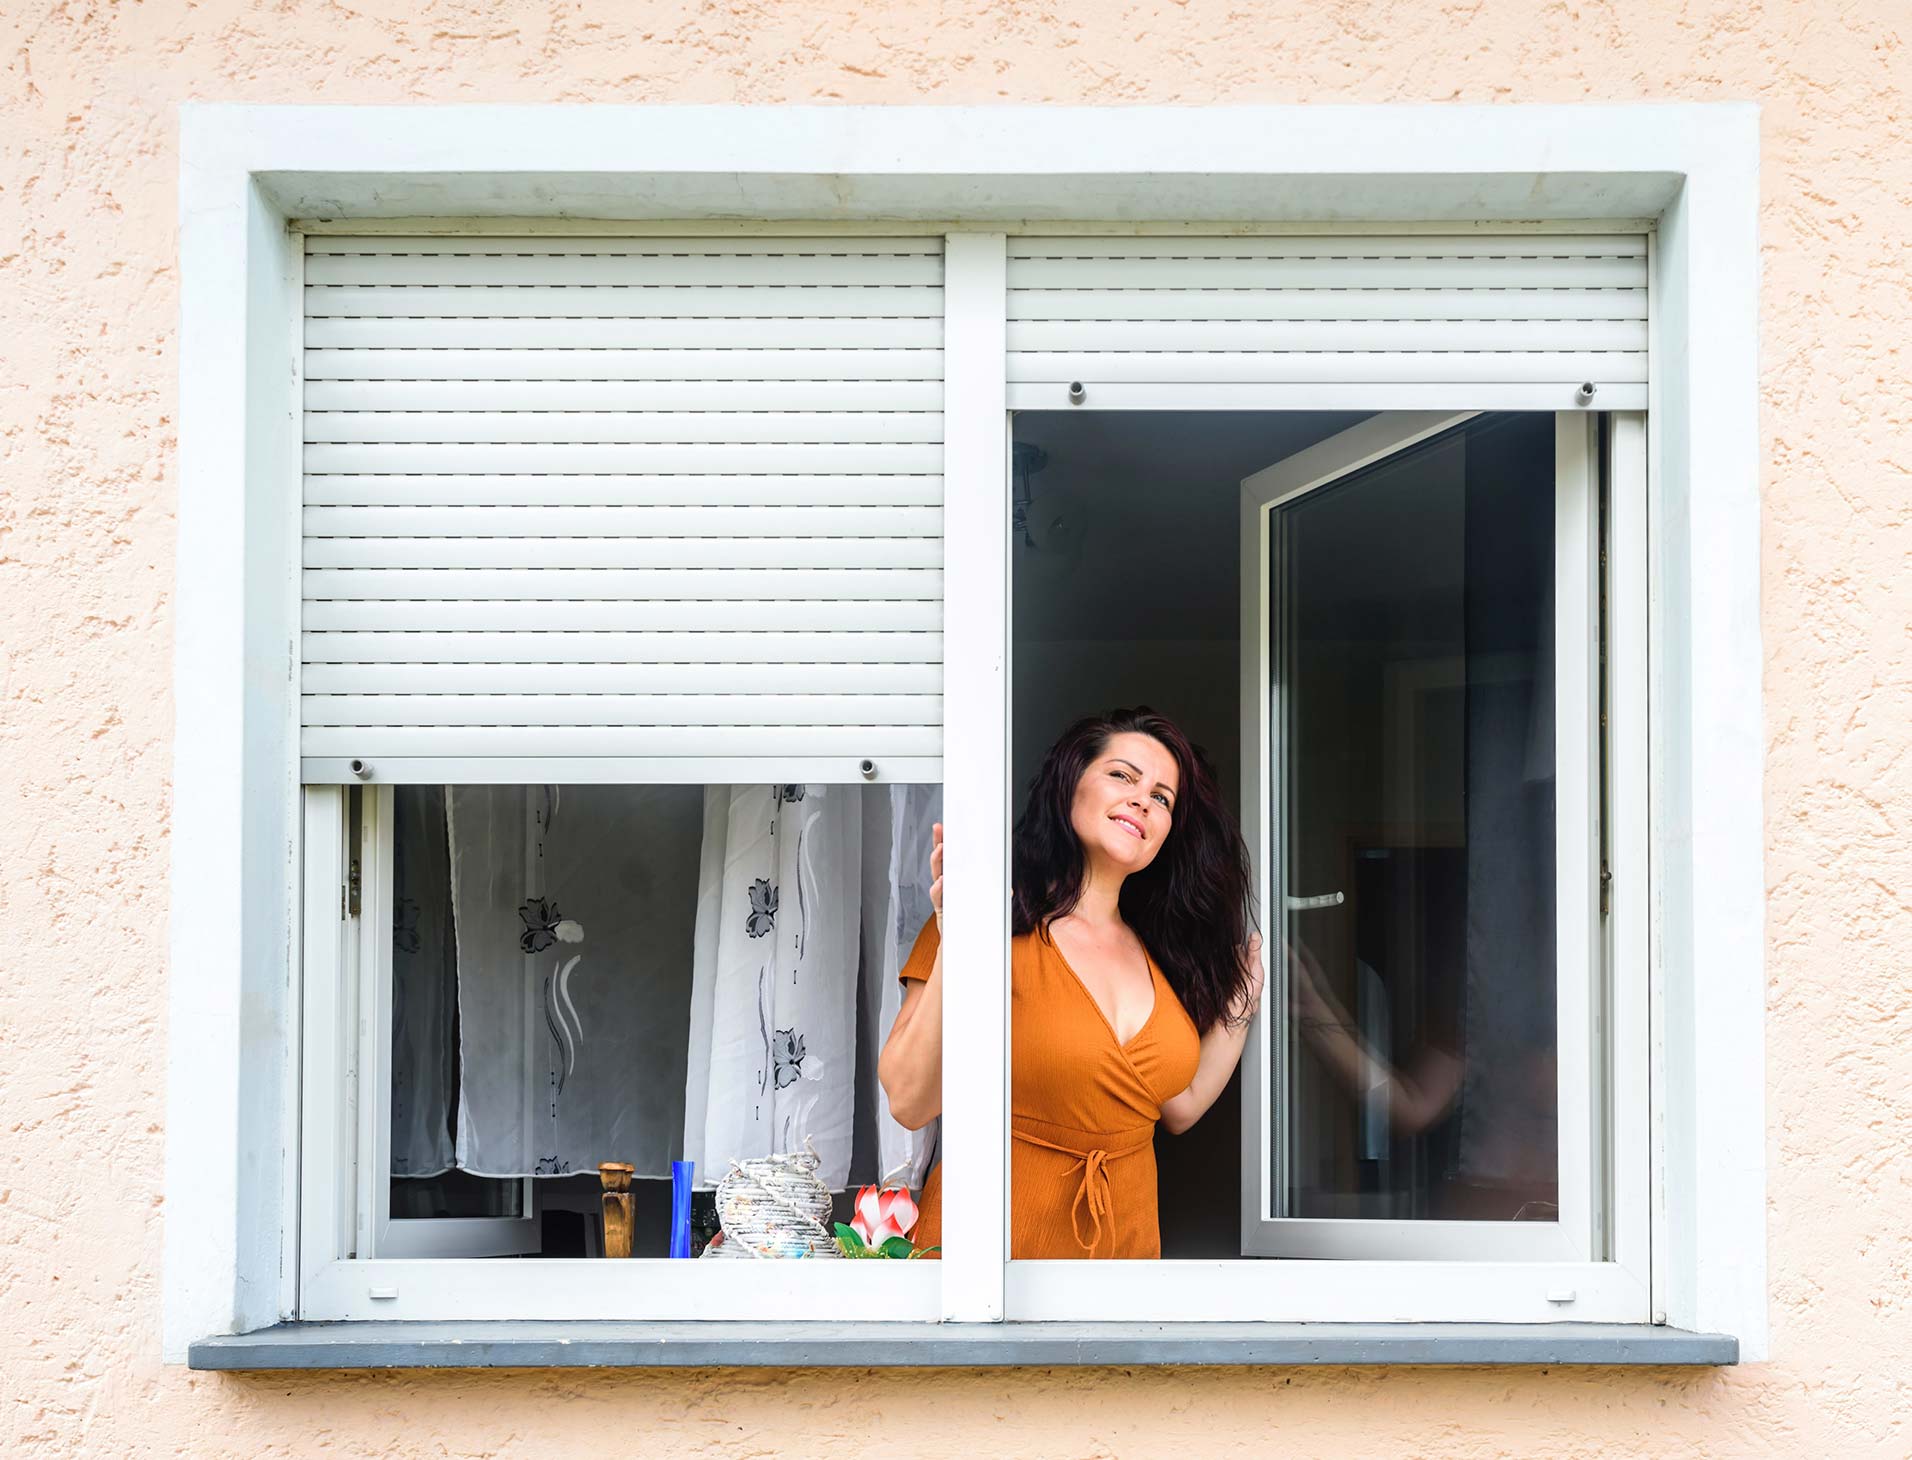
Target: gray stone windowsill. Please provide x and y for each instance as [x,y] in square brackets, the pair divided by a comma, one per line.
[524,1344]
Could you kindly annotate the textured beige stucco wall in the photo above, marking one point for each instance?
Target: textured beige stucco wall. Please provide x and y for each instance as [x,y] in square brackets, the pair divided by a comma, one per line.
[88,391]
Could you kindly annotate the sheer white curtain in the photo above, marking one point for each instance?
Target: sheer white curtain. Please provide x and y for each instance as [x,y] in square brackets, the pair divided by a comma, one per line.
[895,907]
[773,994]
[574,909]
[802,886]
[635,973]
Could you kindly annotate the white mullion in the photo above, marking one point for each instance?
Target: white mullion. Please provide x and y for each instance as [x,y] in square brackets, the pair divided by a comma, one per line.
[1576,822]
[976,798]
[1628,929]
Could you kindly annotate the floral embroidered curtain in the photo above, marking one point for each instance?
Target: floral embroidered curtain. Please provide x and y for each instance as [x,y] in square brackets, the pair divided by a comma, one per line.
[574,912]
[637,972]
[800,887]
[773,990]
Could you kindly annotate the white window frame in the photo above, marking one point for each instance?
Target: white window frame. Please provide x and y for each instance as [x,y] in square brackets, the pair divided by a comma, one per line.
[1583,1198]
[1686,173]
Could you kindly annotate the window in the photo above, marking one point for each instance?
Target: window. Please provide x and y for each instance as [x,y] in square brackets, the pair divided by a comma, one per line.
[1403,688]
[526,567]
[491,595]
[587,524]
[527,981]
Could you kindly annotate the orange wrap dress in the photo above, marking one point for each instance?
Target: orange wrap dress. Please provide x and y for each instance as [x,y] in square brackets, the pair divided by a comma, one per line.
[1083,1108]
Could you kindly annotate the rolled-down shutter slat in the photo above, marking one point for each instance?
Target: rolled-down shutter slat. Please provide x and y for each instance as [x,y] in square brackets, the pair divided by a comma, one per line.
[471,523]
[598,508]
[608,489]
[640,678]
[497,363]
[468,742]
[634,710]
[642,301]
[573,425]
[849,263]
[1348,322]
[423,458]
[620,395]
[610,552]
[594,332]
[671,615]
[492,656]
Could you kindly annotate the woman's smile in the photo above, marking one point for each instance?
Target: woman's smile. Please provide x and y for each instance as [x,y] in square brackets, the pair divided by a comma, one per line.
[1129,824]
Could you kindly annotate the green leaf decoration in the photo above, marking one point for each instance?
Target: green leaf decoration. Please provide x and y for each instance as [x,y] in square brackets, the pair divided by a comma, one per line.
[850,1242]
[897,1247]
[926,1251]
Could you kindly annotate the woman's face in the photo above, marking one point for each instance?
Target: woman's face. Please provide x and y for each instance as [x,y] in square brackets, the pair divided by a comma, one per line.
[1125,802]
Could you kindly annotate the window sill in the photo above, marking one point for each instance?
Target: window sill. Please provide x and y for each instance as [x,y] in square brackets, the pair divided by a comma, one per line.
[508,1344]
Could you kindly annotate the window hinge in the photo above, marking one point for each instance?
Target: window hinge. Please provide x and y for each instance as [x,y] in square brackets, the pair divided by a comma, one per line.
[350,892]
[1606,889]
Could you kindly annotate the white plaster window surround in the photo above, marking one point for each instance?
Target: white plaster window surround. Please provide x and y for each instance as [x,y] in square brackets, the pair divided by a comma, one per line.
[1686,176]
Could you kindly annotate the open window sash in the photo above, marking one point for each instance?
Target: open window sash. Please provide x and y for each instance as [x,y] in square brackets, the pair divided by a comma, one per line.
[1317,1136]
[380,1234]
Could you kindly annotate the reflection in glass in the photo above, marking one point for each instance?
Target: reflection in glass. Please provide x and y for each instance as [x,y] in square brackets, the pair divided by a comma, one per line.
[1412,628]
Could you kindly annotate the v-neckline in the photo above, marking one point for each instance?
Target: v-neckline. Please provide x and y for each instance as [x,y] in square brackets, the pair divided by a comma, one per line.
[1155,996]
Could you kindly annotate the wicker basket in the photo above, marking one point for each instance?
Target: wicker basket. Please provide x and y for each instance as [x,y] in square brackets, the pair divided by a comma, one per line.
[775,1206]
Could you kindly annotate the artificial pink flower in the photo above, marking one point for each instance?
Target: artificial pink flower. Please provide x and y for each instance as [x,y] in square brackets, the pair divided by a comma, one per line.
[883,1213]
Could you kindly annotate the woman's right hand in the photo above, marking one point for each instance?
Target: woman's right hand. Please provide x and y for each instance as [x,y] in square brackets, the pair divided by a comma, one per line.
[936,872]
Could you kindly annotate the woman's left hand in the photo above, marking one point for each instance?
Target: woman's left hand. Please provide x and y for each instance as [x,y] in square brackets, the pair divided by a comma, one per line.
[1253,976]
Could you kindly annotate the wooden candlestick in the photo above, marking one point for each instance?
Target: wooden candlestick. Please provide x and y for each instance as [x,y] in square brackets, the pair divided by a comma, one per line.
[619,1217]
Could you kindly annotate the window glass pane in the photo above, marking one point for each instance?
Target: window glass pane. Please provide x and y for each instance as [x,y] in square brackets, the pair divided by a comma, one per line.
[1412,628]
[640,975]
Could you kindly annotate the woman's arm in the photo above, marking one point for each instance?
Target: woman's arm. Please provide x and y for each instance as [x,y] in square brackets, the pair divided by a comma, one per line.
[1221,1051]
[910,1067]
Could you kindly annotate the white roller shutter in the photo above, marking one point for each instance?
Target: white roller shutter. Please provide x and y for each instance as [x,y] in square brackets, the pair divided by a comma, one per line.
[597,508]
[1348,323]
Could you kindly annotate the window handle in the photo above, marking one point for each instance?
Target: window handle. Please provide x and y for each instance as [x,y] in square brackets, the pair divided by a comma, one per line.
[1321,899]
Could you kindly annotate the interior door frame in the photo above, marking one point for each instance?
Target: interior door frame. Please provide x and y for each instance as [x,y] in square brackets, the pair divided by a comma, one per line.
[1265,1066]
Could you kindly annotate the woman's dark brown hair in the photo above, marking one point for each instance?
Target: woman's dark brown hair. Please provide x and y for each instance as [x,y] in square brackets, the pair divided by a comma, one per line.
[1190,906]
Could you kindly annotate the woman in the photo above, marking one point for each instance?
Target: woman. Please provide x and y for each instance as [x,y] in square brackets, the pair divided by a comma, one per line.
[1133,979]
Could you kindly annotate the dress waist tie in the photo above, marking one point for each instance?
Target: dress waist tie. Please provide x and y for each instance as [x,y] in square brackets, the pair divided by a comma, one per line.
[1094,1194]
